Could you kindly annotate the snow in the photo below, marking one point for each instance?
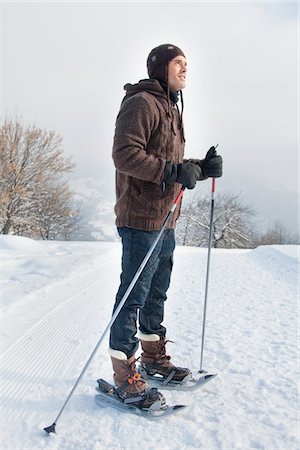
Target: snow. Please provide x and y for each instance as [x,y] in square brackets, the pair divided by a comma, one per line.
[56,300]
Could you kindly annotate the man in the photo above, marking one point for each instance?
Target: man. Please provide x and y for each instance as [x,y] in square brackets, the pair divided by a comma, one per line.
[148,154]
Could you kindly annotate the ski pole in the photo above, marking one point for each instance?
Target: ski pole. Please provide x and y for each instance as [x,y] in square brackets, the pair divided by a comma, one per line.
[213,187]
[51,428]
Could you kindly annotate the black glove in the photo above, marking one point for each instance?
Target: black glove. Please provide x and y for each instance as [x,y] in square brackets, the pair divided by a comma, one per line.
[212,165]
[194,161]
[186,174]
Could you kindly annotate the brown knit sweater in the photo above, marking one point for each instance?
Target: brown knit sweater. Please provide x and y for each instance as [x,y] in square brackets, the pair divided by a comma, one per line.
[147,134]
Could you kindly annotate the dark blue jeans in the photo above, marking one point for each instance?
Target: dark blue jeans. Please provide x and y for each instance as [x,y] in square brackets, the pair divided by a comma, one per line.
[149,293]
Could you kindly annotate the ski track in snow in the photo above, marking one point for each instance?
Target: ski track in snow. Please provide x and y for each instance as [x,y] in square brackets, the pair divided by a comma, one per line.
[250,342]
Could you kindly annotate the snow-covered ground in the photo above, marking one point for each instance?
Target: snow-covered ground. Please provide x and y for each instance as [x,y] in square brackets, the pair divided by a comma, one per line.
[56,300]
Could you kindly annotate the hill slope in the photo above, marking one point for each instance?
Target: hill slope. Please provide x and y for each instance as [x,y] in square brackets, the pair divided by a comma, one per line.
[57,299]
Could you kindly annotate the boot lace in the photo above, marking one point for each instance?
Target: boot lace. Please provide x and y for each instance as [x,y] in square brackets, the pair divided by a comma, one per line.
[133,376]
[162,345]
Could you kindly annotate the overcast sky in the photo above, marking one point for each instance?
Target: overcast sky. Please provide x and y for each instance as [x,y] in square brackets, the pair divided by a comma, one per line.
[65,65]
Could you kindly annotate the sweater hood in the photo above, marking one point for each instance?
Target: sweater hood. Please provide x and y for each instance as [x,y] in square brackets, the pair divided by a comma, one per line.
[155,88]
[148,85]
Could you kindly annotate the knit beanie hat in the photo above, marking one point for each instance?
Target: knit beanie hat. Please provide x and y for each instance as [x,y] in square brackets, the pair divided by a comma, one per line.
[159,58]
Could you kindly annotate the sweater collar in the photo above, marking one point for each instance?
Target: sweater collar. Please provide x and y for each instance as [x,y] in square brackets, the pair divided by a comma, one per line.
[173,95]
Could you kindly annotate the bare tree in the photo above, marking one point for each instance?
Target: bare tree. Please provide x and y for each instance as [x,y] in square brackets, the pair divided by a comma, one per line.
[232,224]
[55,214]
[32,166]
[276,234]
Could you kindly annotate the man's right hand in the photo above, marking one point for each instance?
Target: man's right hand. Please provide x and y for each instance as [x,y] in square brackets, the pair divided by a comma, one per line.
[186,174]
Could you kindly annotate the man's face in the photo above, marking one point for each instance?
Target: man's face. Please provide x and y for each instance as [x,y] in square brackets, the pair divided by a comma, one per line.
[177,73]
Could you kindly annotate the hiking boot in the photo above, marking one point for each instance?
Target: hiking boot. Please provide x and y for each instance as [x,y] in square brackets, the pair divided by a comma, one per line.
[130,388]
[155,361]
